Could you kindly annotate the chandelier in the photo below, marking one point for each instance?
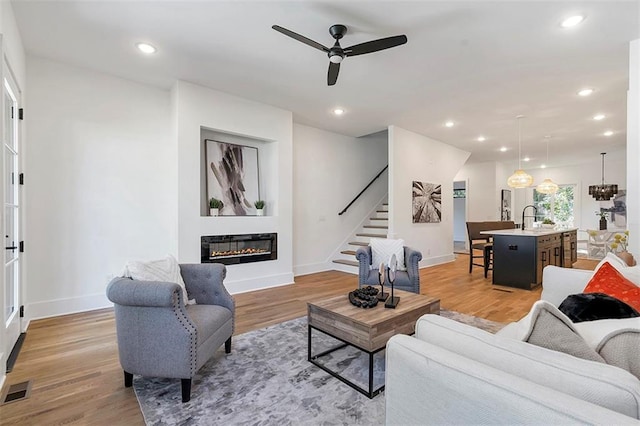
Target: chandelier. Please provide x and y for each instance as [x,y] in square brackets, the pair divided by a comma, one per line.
[603,192]
[520,178]
[547,186]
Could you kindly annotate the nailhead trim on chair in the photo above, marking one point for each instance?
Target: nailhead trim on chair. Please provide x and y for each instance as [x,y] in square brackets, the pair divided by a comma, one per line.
[190,328]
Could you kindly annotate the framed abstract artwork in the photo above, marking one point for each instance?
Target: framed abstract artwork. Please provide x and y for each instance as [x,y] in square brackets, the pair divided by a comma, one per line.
[232,176]
[505,205]
[426,201]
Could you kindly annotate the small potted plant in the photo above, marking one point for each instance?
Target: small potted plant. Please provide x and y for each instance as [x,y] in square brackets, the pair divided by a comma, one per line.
[604,214]
[215,206]
[259,207]
[548,223]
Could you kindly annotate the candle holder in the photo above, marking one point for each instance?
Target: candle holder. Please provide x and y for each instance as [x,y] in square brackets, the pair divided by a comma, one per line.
[382,296]
[392,301]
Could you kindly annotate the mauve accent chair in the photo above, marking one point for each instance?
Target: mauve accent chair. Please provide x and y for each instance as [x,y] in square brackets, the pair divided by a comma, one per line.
[160,336]
[408,280]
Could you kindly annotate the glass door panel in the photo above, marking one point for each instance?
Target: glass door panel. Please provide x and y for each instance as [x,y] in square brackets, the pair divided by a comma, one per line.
[10,162]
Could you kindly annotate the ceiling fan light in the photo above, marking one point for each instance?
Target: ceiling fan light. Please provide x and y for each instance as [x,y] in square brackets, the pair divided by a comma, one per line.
[520,179]
[547,187]
[336,59]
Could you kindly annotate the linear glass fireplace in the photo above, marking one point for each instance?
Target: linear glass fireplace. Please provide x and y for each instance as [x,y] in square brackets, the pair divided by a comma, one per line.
[235,249]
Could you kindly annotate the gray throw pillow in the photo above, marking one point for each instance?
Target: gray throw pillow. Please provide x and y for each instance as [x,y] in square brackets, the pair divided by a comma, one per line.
[549,328]
[621,348]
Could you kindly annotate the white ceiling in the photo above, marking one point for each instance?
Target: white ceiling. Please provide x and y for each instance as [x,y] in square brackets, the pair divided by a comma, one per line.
[478,63]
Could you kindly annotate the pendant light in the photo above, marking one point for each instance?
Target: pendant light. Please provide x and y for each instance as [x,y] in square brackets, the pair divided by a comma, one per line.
[519,179]
[547,186]
[603,192]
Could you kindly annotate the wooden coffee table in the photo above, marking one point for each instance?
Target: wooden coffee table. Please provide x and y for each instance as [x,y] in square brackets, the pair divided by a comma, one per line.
[366,329]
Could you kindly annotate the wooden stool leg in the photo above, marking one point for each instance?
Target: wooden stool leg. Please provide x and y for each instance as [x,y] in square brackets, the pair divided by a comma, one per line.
[487,260]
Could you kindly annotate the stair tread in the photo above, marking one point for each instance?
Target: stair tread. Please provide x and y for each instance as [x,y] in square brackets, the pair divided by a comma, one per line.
[358,243]
[350,252]
[371,235]
[376,226]
[347,262]
[382,211]
[378,218]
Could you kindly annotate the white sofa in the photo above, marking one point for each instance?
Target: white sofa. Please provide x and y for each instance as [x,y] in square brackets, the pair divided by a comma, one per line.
[452,373]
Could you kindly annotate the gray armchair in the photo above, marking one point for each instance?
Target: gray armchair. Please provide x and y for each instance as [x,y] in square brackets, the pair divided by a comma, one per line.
[158,336]
[408,280]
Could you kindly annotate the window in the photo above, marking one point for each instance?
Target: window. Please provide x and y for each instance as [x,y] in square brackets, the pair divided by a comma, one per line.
[459,193]
[557,207]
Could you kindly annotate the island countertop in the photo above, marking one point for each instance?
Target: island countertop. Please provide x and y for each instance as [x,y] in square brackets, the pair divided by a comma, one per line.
[535,232]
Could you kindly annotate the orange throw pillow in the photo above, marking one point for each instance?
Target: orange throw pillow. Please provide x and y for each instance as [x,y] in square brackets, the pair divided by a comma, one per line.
[609,281]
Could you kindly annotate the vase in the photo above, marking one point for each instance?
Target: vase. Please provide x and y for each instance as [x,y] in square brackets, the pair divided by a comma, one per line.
[259,212]
[603,223]
[627,257]
[214,212]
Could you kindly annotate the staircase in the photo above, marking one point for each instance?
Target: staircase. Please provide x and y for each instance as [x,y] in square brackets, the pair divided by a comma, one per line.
[376,227]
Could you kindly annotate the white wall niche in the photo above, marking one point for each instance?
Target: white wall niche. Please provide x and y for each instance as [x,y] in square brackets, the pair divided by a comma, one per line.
[267,168]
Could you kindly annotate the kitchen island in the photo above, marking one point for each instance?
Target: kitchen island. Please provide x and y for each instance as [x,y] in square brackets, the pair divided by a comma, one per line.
[519,256]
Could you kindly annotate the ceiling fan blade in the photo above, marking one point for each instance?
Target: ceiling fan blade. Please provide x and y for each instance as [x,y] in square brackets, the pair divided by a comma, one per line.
[300,38]
[332,74]
[375,45]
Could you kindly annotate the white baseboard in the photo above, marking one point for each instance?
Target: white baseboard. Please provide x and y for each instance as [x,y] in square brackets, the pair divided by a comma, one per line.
[71,305]
[311,268]
[52,308]
[437,260]
[261,283]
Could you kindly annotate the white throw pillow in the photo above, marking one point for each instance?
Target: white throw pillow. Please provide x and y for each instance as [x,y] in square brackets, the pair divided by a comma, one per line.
[632,273]
[167,270]
[383,248]
[614,261]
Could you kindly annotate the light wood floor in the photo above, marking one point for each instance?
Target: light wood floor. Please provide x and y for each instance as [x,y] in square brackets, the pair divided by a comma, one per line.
[73,360]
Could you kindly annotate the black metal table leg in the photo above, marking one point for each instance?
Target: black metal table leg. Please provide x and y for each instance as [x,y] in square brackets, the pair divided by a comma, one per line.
[370,393]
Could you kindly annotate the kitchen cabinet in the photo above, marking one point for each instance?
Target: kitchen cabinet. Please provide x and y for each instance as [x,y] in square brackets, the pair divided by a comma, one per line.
[519,257]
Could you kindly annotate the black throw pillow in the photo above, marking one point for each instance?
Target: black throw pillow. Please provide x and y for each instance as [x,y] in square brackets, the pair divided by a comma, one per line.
[595,306]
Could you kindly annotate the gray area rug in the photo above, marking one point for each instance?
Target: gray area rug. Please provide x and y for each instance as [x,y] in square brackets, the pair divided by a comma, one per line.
[267,380]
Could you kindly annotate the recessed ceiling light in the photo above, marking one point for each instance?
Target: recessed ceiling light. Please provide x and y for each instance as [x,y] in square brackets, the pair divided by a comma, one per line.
[544,166]
[503,149]
[608,133]
[526,159]
[598,117]
[338,111]
[449,123]
[481,139]
[585,92]
[572,21]
[146,48]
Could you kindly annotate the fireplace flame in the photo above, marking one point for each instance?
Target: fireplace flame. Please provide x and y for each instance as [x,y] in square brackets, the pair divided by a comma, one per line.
[243,252]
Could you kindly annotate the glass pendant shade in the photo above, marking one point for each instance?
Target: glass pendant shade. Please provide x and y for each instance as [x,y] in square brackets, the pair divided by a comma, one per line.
[547,187]
[520,179]
[603,192]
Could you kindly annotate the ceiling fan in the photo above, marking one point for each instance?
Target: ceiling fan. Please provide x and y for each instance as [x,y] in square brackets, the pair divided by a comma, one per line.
[337,53]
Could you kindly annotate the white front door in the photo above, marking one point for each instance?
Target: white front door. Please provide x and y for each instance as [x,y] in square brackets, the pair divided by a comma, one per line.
[11,145]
